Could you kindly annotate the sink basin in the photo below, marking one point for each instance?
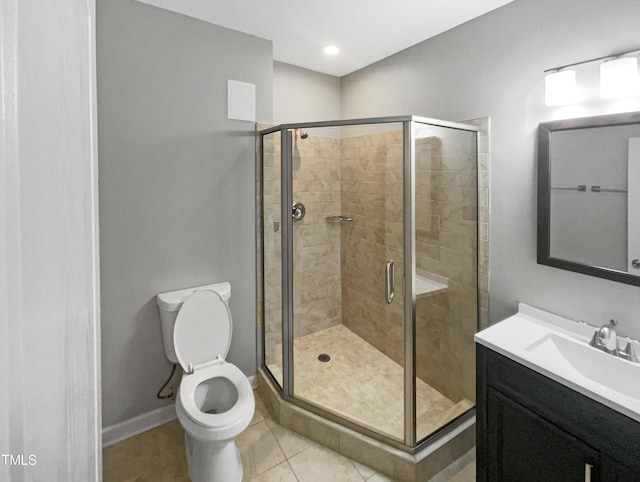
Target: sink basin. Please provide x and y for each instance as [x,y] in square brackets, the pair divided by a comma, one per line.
[575,360]
[559,349]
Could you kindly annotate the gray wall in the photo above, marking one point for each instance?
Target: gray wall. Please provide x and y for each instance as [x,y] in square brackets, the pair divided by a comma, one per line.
[301,95]
[176,185]
[493,66]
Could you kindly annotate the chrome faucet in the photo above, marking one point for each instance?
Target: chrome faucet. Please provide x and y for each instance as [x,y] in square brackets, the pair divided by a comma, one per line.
[606,339]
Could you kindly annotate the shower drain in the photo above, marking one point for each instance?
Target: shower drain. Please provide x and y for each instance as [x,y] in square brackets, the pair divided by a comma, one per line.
[323,357]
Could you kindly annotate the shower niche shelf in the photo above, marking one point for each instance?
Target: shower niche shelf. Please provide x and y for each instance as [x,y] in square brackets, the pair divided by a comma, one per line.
[428,284]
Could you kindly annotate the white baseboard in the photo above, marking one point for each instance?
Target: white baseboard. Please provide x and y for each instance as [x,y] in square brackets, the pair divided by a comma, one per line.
[123,430]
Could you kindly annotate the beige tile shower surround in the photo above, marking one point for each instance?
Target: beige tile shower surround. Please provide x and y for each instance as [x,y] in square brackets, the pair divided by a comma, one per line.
[365,176]
[316,256]
[371,174]
[317,298]
[446,245]
[270,453]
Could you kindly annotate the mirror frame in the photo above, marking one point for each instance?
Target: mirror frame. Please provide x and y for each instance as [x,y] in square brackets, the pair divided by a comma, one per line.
[545,130]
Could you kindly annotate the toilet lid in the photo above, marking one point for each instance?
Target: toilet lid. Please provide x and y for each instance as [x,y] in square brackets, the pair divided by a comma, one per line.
[203,329]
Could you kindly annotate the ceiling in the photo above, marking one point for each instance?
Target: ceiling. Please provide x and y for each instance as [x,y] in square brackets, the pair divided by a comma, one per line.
[364,30]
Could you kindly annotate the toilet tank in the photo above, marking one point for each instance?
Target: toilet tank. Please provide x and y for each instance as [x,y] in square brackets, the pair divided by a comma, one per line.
[169,304]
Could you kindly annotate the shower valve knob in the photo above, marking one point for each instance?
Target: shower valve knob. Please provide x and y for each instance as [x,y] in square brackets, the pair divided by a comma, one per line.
[298,211]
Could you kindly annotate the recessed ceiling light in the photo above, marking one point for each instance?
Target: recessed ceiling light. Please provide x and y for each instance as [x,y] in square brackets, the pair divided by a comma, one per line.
[331,50]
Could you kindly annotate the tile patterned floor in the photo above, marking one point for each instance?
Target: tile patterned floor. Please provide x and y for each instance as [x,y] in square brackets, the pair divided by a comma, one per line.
[270,453]
[363,384]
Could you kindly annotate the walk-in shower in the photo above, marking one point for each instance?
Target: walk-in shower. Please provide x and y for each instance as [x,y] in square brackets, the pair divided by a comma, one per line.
[369,280]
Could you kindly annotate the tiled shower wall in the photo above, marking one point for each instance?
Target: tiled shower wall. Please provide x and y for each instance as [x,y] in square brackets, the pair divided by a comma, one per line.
[446,246]
[371,174]
[317,280]
[316,243]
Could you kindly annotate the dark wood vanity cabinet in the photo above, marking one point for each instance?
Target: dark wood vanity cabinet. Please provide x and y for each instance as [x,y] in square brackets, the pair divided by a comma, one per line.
[533,429]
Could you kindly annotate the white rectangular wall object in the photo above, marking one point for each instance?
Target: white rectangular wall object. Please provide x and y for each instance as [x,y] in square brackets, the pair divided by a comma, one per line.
[241,101]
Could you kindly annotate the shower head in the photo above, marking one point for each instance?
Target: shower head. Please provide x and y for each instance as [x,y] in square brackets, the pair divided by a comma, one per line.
[303,134]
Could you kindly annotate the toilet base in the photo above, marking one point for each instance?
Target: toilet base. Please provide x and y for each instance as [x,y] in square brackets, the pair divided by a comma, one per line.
[213,461]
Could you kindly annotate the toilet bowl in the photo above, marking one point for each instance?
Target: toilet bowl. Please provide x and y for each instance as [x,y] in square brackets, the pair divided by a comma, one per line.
[215,402]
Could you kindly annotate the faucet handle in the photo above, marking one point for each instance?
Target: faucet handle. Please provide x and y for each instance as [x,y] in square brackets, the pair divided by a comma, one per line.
[613,322]
[605,339]
[629,353]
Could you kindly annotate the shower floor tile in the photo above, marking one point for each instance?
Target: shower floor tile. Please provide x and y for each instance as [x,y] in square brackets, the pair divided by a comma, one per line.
[363,384]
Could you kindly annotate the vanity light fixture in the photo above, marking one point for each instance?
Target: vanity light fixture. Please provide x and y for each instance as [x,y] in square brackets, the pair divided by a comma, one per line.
[560,87]
[331,50]
[619,78]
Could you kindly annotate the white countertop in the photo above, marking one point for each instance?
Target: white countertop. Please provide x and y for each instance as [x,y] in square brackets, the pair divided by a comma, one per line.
[559,348]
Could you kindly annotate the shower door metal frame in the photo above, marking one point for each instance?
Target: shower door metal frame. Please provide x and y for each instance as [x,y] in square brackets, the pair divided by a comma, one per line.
[409,280]
[410,443]
[286,189]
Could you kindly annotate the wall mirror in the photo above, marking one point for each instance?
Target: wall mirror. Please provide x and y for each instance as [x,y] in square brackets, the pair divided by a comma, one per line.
[589,196]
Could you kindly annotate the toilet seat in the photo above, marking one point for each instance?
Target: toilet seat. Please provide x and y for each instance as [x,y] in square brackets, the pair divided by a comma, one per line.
[216,421]
[201,337]
[203,330]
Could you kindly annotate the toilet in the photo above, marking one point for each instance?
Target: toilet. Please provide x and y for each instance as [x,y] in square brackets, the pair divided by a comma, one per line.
[215,402]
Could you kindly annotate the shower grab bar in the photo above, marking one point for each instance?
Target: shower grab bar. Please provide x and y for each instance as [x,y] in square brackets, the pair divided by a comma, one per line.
[389,284]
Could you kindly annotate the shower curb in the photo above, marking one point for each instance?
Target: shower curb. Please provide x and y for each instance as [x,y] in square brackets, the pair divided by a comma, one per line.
[422,466]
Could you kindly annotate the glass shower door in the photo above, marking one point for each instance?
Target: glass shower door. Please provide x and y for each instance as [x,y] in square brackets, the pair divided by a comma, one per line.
[272,254]
[446,261]
[347,231]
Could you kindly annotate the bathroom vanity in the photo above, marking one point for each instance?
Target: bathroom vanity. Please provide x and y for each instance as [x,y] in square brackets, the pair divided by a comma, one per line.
[552,408]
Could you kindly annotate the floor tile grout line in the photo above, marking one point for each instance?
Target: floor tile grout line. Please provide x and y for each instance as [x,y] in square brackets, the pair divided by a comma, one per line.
[297,453]
[277,444]
[307,448]
[287,458]
[358,471]
[293,471]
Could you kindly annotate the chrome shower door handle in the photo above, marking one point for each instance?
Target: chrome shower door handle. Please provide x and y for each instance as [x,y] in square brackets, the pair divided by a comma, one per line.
[389,283]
